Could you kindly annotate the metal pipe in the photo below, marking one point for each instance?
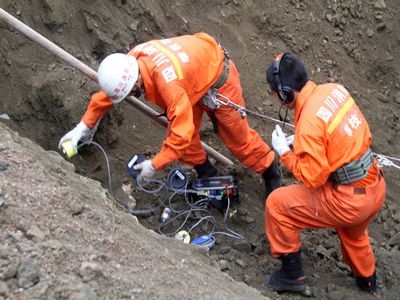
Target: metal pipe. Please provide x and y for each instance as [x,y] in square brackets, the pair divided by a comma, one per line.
[77,64]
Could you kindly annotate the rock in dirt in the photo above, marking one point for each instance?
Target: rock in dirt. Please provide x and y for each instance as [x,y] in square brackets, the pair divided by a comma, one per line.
[396,217]
[397,97]
[3,205]
[242,246]
[28,274]
[90,270]
[10,269]
[4,252]
[246,278]
[241,263]
[395,240]
[380,4]
[322,250]
[5,117]
[224,250]
[35,234]
[381,26]
[382,97]
[223,265]
[3,165]
[4,290]
[85,292]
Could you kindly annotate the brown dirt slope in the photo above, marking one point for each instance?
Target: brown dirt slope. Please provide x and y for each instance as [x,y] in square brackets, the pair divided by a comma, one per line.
[62,238]
[347,41]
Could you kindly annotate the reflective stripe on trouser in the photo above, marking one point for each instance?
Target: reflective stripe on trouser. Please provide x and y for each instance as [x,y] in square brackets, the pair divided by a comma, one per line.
[292,208]
[242,141]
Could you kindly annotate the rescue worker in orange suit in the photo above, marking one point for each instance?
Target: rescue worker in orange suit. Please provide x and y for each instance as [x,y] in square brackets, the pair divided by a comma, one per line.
[341,186]
[182,75]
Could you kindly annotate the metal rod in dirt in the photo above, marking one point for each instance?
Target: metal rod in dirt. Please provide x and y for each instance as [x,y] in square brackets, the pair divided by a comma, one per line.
[77,64]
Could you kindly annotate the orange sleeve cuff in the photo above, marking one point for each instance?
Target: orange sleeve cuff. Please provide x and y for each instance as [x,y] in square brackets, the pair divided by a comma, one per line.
[289,159]
[158,162]
[164,157]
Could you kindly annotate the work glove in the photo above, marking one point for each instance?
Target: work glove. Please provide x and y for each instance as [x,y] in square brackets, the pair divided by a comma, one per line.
[290,139]
[279,142]
[79,132]
[147,171]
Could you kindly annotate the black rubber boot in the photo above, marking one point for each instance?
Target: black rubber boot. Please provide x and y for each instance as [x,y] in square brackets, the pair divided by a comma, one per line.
[290,278]
[367,284]
[206,169]
[272,178]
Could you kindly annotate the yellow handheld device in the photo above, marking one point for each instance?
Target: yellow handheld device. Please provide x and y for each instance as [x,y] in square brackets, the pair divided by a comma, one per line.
[69,149]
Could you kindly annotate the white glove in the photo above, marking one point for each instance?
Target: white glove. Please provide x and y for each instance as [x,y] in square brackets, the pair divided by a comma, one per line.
[279,142]
[147,171]
[290,139]
[75,135]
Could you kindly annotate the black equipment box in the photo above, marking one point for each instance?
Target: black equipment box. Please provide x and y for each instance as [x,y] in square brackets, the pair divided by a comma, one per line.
[221,190]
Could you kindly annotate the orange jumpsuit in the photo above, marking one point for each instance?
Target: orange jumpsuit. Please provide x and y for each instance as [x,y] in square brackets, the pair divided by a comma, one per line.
[177,72]
[330,132]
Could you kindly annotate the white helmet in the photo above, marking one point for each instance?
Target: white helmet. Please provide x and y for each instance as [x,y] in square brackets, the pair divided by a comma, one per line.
[117,75]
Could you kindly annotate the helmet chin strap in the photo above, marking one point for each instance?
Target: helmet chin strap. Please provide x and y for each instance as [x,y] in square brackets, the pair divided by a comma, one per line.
[283,119]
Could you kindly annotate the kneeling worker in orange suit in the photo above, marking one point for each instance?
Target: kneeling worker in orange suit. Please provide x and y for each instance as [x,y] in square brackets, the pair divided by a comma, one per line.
[341,184]
[184,76]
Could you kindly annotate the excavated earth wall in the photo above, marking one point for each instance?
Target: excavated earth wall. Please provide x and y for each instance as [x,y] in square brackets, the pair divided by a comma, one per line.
[64,237]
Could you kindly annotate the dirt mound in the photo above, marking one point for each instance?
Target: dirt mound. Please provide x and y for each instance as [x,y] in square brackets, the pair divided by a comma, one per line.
[347,41]
[62,238]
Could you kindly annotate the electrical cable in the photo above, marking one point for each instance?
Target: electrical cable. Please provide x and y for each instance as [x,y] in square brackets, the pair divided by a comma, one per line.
[283,119]
[208,218]
[161,225]
[232,234]
[145,211]
[149,181]
[199,206]
[227,209]
[108,172]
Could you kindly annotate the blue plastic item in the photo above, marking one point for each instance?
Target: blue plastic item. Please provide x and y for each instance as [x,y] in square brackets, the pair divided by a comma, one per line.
[207,241]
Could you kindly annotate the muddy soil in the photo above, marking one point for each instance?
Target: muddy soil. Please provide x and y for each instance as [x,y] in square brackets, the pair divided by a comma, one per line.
[351,42]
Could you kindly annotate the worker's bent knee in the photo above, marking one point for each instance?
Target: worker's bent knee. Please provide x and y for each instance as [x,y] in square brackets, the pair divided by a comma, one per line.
[276,195]
[273,200]
[277,201]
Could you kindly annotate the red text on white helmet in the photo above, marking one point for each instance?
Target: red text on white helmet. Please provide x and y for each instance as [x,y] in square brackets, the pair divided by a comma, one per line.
[117,75]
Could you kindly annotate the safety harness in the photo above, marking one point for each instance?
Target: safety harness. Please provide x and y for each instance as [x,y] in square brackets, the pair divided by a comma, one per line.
[209,99]
[354,171]
[224,74]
